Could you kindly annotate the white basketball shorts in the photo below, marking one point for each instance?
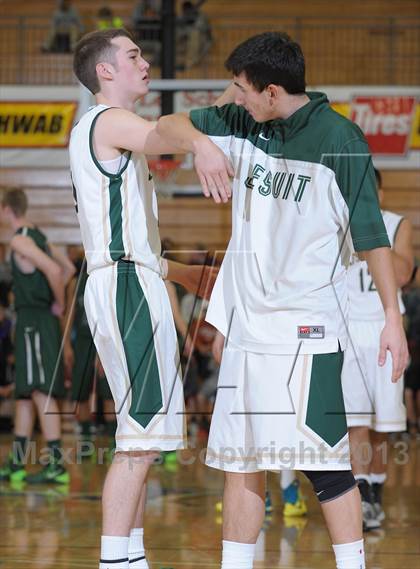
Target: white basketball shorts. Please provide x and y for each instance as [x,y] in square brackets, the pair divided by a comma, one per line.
[131,321]
[370,397]
[275,412]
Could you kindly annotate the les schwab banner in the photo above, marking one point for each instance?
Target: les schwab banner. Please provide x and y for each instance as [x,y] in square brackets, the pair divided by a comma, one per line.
[391,123]
[25,124]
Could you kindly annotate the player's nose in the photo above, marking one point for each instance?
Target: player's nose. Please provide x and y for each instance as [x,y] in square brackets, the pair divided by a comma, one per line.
[144,64]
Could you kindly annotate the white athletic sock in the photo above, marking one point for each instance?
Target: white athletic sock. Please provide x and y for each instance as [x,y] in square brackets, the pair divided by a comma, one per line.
[378,478]
[286,478]
[237,555]
[114,552]
[136,552]
[350,555]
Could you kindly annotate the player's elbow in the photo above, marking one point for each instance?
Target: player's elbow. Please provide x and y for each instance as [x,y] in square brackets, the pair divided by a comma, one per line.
[55,275]
[162,125]
[403,275]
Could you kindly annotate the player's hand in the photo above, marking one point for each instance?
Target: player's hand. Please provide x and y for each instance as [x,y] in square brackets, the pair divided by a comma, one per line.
[200,279]
[214,170]
[57,309]
[217,348]
[393,339]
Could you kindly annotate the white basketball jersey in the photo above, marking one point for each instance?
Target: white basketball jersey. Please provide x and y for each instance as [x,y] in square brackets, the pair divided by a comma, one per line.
[117,212]
[365,302]
[282,286]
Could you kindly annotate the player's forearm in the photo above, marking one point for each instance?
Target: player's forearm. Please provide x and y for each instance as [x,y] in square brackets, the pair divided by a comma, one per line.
[228,96]
[179,130]
[175,272]
[382,270]
[68,271]
[403,268]
[56,283]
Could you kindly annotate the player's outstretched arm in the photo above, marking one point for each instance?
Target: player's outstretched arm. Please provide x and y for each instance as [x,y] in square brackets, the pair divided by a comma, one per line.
[393,338]
[197,279]
[403,254]
[25,246]
[118,129]
[212,166]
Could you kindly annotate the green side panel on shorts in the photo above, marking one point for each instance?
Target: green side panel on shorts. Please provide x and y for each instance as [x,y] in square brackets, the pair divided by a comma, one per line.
[326,413]
[137,335]
[116,247]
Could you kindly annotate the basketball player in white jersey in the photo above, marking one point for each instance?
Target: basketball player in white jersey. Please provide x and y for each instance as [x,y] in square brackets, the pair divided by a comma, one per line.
[126,301]
[303,200]
[374,404]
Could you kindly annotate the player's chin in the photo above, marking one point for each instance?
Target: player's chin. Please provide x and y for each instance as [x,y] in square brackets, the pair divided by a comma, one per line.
[144,89]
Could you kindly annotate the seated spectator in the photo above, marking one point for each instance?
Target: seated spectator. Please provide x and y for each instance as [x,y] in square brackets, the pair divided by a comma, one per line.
[146,22]
[105,19]
[146,10]
[66,28]
[194,37]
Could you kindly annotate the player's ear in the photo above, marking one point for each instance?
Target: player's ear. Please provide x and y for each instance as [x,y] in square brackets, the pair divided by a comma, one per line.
[272,93]
[104,71]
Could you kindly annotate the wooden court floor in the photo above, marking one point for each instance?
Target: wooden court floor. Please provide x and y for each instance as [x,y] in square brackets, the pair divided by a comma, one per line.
[59,527]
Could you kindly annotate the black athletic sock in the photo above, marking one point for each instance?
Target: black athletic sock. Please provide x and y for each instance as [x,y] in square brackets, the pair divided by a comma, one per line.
[85,429]
[110,429]
[365,490]
[55,450]
[19,448]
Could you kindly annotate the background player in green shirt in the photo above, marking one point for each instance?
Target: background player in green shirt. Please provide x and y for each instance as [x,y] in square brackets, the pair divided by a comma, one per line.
[40,273]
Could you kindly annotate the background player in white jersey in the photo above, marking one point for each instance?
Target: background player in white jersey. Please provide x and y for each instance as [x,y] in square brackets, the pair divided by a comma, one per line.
[126,300]
[374,404]
[304,198]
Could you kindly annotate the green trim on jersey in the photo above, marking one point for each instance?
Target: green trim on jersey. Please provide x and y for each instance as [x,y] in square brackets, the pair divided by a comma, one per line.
[137,335]
[92,152]
[326,414]
[116,247]
[317,134]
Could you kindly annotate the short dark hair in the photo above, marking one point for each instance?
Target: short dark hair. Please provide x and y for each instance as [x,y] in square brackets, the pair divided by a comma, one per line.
[378,177]
[90,50]
[16,200]
[272,57]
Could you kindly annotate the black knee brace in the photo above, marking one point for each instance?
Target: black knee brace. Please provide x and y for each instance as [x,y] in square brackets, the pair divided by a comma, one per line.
[330,484]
